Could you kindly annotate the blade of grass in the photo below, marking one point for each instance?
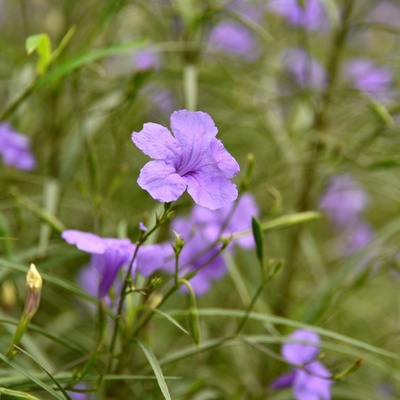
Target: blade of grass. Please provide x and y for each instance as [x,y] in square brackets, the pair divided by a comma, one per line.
[155,365]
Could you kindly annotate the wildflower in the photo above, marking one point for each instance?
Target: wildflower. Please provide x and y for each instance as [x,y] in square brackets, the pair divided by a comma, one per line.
[108,255]
[15,148]
[304,69]
[232,37]
[311,14]
[343,201]
[375,81]
[192,159]
[356,238]
[146,59]
[201,231]
[309,379]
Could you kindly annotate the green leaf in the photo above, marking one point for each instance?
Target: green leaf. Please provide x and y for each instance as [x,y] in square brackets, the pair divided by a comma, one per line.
[46,372]
[87,58]
[38,382]
[258,238]
[42,44]
[16,394]
[155,365]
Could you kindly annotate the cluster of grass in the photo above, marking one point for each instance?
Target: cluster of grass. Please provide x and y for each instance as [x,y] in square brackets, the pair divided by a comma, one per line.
[79,94]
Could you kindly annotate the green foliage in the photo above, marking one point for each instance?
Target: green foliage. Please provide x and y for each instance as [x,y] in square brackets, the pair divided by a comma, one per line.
[79,101]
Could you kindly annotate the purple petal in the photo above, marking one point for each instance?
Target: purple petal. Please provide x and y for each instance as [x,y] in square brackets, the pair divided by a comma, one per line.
[154,257]
[89,279]
[343,200]
[311,16]
[313,382]
[356,238]
[212,192]
[234,38]
[375,81]
[15,148]
[301,353]
[156,141]
[283,381]
[145,59]
[225,162]
[161,181]
[193,132]
[306,71]
[84,241]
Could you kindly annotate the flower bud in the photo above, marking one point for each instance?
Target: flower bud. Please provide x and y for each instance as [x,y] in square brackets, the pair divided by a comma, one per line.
[34,283]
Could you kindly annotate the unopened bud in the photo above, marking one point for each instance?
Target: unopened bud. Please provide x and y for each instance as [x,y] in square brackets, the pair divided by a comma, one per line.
[34,283]
[179,243]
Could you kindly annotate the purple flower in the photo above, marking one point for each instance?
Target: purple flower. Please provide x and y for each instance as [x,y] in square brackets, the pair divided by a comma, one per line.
[192,159]
[312,380]
[343,201]
[305,70]
[375,81]
[15,148]
[356,238]
[199,254]
[81,395]
[146,59]
[312,15]
[386,13]
[108,255]
[302,347]
[232,37]
[211,222]
[201,231]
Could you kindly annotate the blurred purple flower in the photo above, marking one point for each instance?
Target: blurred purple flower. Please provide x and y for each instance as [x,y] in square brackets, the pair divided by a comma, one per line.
[146,59]
[81,395]
[386,13]
[196,255]
[162,100]
[343,201]
[108,255]
[305,70]
[311,381]
[356,238]
[240,215]
[192,159]
[302,347]
[232,37]
[311,16]
[375,81]
[202,229]
[15,148]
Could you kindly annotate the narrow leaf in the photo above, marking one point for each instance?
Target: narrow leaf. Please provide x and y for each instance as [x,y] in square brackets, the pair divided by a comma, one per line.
[258,238]
[155,365]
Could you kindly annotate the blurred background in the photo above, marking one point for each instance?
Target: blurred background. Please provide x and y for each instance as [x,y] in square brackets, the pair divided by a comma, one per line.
[309,88]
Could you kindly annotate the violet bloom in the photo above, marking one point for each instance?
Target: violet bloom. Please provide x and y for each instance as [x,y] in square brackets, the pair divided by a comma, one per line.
[311,16]
[312,380]
[356,238]
[375,81]
[343,201]
[304,69]
[198,255]
[15,148]
[238,219]
[192,159]
[232,37]
[108,255]
[146,59]
[200,232]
